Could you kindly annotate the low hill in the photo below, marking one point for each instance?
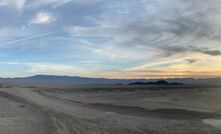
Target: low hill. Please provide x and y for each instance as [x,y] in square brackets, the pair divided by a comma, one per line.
[160,82]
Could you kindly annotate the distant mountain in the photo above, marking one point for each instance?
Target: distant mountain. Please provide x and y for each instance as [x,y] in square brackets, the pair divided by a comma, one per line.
[160,82]
[52,79]
[41,79]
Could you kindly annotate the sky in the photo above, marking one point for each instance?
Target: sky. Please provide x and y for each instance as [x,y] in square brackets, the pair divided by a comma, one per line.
[111,38]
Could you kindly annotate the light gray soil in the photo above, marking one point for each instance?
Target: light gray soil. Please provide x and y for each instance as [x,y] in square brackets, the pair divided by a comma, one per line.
[18,117]
[43,111]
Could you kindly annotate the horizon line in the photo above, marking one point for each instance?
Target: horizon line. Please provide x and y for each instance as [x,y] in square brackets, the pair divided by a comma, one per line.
[91,77]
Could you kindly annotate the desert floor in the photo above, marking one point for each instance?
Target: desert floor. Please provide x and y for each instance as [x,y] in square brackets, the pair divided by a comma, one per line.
[110,109]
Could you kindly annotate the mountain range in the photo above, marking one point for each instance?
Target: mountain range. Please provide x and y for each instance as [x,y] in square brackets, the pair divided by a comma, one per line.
[45,79]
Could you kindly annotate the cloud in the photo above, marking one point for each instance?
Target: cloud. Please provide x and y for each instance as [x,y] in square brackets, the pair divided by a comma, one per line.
[3,3]
[35,4]
[151,22]
[171,50]
[212,52]
[191,61]
[111,53]
[26,38]
[42,18]
[205,51]
[54,69]
[13,63]
[176,67]
[58,4]
[18,4]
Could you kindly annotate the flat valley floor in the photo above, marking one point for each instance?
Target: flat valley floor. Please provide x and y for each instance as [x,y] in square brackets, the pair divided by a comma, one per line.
[110,109]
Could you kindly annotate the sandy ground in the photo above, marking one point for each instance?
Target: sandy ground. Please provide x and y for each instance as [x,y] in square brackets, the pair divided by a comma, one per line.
[18,117]
[110,110]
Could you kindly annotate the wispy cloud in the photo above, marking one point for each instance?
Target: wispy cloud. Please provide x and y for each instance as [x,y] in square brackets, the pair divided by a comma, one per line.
[56,69]
[18,4]
[56,3]
[26,38]
[170,50]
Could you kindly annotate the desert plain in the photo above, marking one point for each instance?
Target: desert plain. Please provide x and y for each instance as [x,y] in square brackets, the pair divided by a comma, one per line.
[110,109]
